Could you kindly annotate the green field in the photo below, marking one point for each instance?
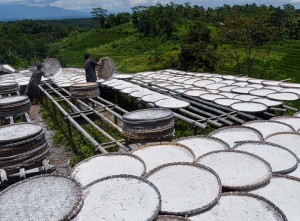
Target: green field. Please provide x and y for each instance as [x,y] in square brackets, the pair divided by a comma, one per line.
[133,53]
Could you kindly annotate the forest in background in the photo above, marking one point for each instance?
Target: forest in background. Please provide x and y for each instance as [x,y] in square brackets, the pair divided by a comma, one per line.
[258,41]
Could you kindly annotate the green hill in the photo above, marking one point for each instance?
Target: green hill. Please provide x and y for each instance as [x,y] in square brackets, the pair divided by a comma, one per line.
[134,53]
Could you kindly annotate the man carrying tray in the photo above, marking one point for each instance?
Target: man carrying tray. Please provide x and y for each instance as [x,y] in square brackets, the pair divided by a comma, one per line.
[105,68]
[89,67]
[32,90]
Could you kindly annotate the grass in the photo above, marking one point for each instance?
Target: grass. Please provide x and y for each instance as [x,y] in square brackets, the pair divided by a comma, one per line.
[134,53]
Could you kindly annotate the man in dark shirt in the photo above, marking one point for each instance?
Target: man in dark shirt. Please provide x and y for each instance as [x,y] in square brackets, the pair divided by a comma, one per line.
[90,66]
[32,90]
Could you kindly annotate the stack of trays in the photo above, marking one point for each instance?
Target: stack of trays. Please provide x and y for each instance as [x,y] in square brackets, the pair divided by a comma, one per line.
[13,106]
[8,87]
[84,90]
[22,145]
[149,124]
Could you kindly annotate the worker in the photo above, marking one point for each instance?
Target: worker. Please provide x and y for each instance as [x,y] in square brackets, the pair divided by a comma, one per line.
[32,90]
[90,66]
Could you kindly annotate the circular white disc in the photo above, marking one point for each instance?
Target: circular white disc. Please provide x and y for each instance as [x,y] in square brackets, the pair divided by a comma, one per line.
[284,192]
[269,127]
[292,121]
[104,165]
[120,198]
[280,96]
[203,145]
[237,170]
[172,103]
[241,206]
[268,102]
[234,135]
[185,188]
[249,107]
[158,154]
[290,141]
[281,159]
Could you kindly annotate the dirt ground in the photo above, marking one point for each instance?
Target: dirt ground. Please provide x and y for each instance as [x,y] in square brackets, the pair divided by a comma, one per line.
[59,156]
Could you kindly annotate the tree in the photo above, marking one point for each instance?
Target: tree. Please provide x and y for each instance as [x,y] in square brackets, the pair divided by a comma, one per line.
[247,31]
[198,51]
[100,15]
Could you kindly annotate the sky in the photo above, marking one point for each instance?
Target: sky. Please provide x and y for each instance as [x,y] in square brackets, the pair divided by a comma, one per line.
[126,5]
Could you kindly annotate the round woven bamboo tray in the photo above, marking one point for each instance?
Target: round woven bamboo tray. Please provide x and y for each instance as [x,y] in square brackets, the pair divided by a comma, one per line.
[268,102]
[84,90]
[238,170]
[13,100]
[284,192]
[172,103]
[129,90]
[195,92]
[291,90]
[289,85]
[202,83]
[148,116]
[122,76]
[123,197]
[21,146]
[241,84]
[211,97]
[276,88]
[292,121]
[122,86]
[249,107]
[227,82]
[171,218]
[140,93]
[185,188]
[191,81]
[150,134]
[261,92]
[104,165]
[201,145]
[157,154]
[236,134]
[242,206]
[270,83]
[242,79]
[288,140]
[215,86]
[34,161]
[226,88]
[259,86]
[154,98]
[51,66]
[281,159]
[281,96]
[43,198]
[18,132]
[106,68]
[228,77]
[226,101]
[245,97]
[227,94]
[242,90]
[35,149]
[255,81]
[269,127]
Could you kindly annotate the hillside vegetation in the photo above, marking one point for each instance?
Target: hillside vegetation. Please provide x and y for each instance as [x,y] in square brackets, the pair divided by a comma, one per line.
[258,41]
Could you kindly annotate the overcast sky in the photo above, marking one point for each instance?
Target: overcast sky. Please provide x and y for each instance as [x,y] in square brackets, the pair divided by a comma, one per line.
[125,5]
